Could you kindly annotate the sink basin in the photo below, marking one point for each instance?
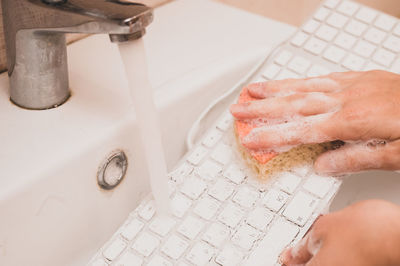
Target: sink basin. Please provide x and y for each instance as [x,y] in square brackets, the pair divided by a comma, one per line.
[52,211]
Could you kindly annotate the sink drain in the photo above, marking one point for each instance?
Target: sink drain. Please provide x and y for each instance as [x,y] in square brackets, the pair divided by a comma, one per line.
[112,170]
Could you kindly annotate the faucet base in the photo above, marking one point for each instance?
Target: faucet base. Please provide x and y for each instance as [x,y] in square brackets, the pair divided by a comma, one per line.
[39,79]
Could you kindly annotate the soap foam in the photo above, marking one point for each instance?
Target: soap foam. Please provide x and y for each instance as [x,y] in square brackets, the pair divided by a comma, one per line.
[303,129]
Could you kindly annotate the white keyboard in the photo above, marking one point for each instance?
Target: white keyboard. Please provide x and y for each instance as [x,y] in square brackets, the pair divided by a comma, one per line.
[222,215]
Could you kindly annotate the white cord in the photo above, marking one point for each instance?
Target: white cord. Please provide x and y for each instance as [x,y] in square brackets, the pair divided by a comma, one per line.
[190,139]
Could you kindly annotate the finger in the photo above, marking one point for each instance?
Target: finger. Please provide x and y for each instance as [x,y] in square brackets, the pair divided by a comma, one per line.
[299,254]
[290,86]
[311,129]
[358,157]
[286,107]
[303,251]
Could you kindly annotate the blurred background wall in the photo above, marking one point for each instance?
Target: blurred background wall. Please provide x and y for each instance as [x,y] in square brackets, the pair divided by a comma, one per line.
[289,11]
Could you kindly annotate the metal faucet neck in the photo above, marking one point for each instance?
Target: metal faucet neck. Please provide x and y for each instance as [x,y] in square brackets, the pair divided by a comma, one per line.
[36,47]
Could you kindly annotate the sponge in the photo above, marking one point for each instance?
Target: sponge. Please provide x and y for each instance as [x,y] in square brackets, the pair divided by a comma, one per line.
[266,163]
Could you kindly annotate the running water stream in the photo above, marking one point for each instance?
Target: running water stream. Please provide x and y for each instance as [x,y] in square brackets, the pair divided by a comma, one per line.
[134,59]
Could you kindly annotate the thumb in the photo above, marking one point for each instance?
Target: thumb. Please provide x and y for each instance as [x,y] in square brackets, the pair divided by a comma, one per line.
[374,154]
[303,251]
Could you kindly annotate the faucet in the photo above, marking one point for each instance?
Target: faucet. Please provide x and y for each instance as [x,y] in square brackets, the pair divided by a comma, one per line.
[36,45]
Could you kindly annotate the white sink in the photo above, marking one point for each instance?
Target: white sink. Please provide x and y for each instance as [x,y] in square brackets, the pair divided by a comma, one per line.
[52,212]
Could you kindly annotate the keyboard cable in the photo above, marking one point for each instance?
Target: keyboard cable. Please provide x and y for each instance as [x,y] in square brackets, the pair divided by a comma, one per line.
[195,128]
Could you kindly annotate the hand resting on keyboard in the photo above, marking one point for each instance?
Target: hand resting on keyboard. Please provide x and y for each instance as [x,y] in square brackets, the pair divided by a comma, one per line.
[360,108]
[335,238]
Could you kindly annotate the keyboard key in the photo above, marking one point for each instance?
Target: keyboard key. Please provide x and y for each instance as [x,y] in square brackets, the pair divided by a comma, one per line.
[130,230]
[299,64]
[353,62]
[221,190]
[310,26]
[393,44]
[374,35]
[193,187]
[326,33]
[148,210]
[99,262]
[321,14]
[231,215]
[207,207]
[396,66]
[212,138]
[396,30]
[300,208]
[345,41]
[299,39]
[356,28]
[234,174]
[259,218]
[287,74]
[246,197]
[318,185]
[331,3]
[197,155]
[162,225]
[384,57]
[385,22]
[114,249]
[301,170]
[222,154]
[288,182]
[191,227]
[129,259]
[229,256]
[245,236]
[348,8]
[373,66]
[181,172]
[366,14]
[180,204]
[315,46]
[174,247]
[201,254]
[159,261]
[275,199]
[337,20]
[316,70]
[283,58]
[271,71]
[364,49]
[225,121]
[334,54]
[216,234]
[209,170]
[277,238]
[145,244]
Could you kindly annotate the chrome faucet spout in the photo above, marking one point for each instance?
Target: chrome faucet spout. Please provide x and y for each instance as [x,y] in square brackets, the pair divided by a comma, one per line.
[36,47]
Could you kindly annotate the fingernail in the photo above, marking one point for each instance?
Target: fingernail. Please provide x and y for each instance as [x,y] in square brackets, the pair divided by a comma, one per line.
[286,256]
[256,89]
[325,165]
[235,108]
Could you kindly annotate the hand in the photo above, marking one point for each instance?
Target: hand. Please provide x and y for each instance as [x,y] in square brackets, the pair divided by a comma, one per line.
[359,108]
[365,234]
